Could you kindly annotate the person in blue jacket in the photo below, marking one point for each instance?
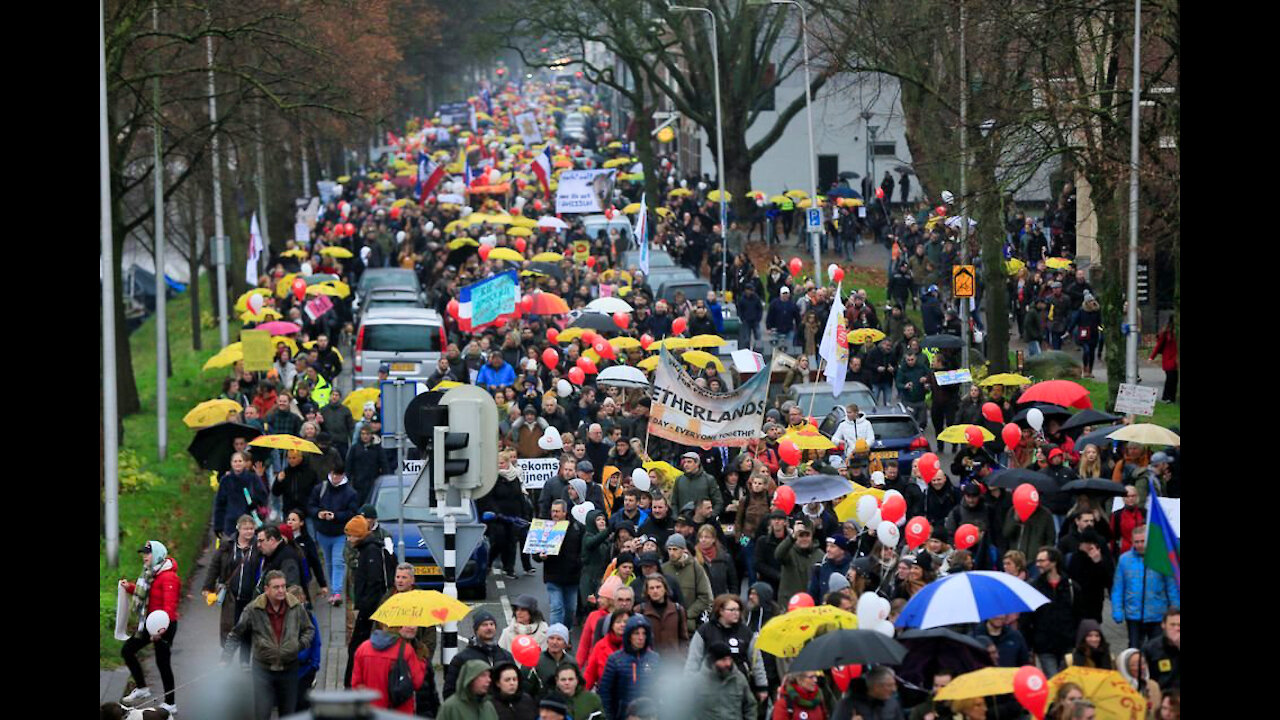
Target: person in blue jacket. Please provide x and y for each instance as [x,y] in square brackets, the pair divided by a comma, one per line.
[1140,595]
[629,672]
[332,504]
[231,501]
[496,374]
[309,657]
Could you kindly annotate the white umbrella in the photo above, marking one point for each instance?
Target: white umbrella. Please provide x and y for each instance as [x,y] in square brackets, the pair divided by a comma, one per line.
[969,597]
[1146,434]
[609,305]
[454,198]
[953,222]
[550,221]
[623,376]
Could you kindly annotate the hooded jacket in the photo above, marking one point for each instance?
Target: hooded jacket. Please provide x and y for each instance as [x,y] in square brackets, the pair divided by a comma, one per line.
[628,672]
[599,655]
[594,555]
[756,619]
[166,587]
[849,432]
[372,667]
[255,627]
[229,504]
[455,677]
[795,563]
[670,624]
[342,501]
[464,704]
[1099,658]
[693,489]
[695,587]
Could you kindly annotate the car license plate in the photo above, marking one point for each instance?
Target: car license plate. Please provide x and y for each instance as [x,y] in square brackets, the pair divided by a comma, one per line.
[885,455]
[427,570]
[404,367]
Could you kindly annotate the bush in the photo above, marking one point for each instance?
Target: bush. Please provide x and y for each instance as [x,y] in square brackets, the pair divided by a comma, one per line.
[1053,365]
[132,475]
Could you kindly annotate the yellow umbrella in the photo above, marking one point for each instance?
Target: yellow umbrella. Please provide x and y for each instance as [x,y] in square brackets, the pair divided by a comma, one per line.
[518,231]
[294,253]
[616,162]
[323,290]
[797,194]
[702,341]
[446,384]
[649,364]
[453,225]
[420,608]
[286,442]
[699,359]
[344,178]
[1058,263]
[671,343]
[624,343]
[592,355]
[548,257]
[1113,698]
[680,192]
[787,634]
[956,434]
[847,508]
[337,252]
[806,202]
[778,199]
[985,682]
[1013,266]
[807,437]
[714,196]
[1005,379]
[568,336]
[289,342]
[505,254]
[343,289]
[1146,434]
[356,400]
[242,302]
[664,212]
[862,336]
[631,209]
[462,242]
[225,358]
[664,469]
[266,314]
[524,222]
[210,412]
[400,203]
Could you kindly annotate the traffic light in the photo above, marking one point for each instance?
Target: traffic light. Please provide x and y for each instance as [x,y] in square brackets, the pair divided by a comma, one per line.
[458,433]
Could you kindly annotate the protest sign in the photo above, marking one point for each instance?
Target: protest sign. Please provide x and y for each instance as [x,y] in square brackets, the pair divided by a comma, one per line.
[535,472]
[545,537]
[584,191]
[318,306]
[688,414]
[258,350]
[954,377]
[1135,399]
[527,125]
[488,302]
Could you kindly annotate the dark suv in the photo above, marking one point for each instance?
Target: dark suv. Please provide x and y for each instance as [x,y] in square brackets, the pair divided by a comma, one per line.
[898,437]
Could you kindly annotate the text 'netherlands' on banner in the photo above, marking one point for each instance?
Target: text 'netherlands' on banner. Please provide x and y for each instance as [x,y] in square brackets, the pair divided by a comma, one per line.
[689,414]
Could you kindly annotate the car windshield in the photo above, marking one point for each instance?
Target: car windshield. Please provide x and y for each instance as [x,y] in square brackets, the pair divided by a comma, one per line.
[401,338]
[404,279]
[823,401]
[893,428]
[389,508]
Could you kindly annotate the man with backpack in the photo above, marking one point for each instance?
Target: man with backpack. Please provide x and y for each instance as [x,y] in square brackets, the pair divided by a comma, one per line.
[388,662]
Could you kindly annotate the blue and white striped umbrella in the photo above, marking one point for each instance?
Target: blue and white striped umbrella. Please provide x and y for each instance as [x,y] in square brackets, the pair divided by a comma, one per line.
[969,597]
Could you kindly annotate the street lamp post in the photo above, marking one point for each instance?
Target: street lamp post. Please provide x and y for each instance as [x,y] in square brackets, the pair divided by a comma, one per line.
[1131,318]
[720,177]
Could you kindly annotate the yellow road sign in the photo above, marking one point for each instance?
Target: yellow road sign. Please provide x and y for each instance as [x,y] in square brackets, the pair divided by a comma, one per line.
[962,280]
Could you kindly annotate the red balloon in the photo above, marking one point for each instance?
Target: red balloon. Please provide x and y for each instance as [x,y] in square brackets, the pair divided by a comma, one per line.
[521,245]
[789,452]
[537,205]
[525,650]
[784,498]
[591,262]
[586,366]
[973,434]
[646,340]
[918,530]
[349,229]
[879,193]
[796,266]
[550,358]
[1012,435]
[526,304]
[603,349]
[576,376]
[484,252]
[893,508]
[299,288]
[679,325]
[453,309]
[622,320]
[838,276]
[966,536]
[589,337]
[991,411]
[395,213]
[799,600]
[552,335]
[1025,500]
[842,675]
[940,210]
[929,466]
[1031,689]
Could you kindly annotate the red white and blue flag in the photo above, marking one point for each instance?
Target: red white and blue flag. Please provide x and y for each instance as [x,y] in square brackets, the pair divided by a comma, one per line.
[542,168]
[429,176]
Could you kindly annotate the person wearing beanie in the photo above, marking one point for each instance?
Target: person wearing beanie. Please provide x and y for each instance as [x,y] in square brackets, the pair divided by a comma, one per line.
[553,707]
[695,585]
[835,563]
[604,606]
[372,574]
[722,693]
[481,647]
[555,654]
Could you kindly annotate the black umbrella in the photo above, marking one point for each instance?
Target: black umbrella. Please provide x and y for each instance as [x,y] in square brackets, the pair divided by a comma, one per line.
[1011,479]
[929,650]
[849,175]
[547,268]
[942,342]
[1047,409]
[598,322]
[846,647]
[1087,417]
[457,258]
[1094,486]
[904,169]
[211,447]
[1098,437]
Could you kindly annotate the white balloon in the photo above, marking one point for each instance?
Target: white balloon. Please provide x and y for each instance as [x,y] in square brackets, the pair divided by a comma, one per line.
[831,271]
[640,478]
[400,236]
[875,520]
[888,533]
[866,610]
[866,508]
[877,478]
[882,607]
[255,303]
[551,440]
[563,388]
[884,626]
[580,511]
[1035,419]
[157,622]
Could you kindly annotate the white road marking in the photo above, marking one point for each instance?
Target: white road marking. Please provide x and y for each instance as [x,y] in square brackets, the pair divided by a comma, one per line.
[506,603]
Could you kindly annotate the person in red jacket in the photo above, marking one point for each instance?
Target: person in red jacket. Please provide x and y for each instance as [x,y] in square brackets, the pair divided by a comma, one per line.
[158,588]
[604,647]
[1124,520]
[800,699]
[1167,347]
[375,657]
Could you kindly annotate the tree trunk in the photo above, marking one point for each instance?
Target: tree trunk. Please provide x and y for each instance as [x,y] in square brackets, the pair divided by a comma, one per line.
[995,288]
[927,131]
[737,169]
[1106,205]
[126,386]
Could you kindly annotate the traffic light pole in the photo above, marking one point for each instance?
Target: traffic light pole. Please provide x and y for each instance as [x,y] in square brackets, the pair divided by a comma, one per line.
[400,440]
[449,647]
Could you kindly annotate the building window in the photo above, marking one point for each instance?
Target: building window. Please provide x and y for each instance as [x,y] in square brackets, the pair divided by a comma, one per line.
[885,148]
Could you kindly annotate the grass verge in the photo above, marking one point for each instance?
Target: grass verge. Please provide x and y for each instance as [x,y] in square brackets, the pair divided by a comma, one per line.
[174,503]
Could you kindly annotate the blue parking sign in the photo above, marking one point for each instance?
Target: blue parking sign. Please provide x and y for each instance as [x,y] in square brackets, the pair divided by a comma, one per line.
[815,218]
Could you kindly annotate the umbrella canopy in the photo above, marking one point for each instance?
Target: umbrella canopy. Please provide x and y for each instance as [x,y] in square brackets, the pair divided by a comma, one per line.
[862,336]
[1012,478]
[547,268]
[548,304]
[264,316]
[337,252]
[324,290]
[1058,392]
[1058,263]
[286,442]
[242,302]
[506,254]
[714,196]
[1084,418]
[553,223]
[1112,697]
[1046,409]
[609,305]
[1094,486]
[278,327]
[226,357]
[979,683]
[1098,437]
[289,343]
[846,647]
[649,364]
[1147,434]
[929,650]
[446,385]
[847,509]
[787,634]
[665,470]
[704,341]
[357,398]
[956,434]
[942,342]
[547,257]
[819,488]
[699,358]
[624,343]
[623,376]
[211,447]
[294,253]
[210,412]
[808,438]
[595,321]
[969,597]
[519,231]
[420,608]
[1005,379]
[671,343]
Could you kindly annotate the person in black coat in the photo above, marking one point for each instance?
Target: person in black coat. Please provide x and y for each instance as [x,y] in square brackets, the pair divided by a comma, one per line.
[365,462]
[1092,567]
[561,572]
[482,646]
[307,549]
[295,482]
[938,500]
[750,312]
[784,316]
[508,503]
[931,312]
[1051,629]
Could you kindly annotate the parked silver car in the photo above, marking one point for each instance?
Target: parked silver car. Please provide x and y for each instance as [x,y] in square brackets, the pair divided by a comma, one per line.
[410,339]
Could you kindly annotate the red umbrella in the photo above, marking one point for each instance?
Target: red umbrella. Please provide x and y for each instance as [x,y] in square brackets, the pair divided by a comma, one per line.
[548,304]
[1058,392]
[279,327]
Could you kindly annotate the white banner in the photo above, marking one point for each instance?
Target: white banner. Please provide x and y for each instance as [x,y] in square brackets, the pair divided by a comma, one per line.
[1136,399]
[122,613]
[527,126]
[691,415]
[584,191]
[535,472]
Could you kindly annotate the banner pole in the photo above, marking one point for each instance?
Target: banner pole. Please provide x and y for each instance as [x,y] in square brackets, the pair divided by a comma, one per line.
[814,396]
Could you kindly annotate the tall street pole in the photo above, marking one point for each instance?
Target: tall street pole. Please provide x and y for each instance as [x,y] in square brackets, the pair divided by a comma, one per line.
[162,330]
[964,190]
[110,412]
[220,245]
[1131,319]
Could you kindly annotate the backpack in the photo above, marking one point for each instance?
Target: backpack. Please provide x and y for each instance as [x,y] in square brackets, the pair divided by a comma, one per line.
[399,681]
